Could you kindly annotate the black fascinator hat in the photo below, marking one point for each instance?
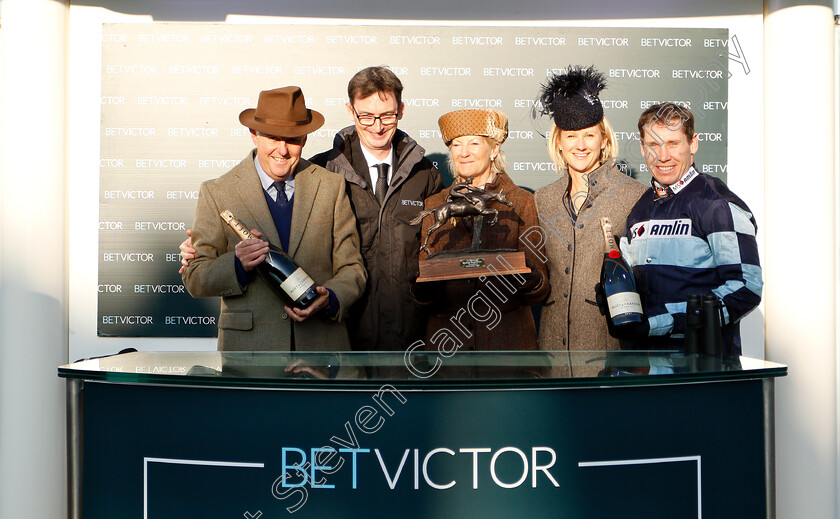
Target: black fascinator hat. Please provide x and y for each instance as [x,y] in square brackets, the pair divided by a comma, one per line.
[572,98]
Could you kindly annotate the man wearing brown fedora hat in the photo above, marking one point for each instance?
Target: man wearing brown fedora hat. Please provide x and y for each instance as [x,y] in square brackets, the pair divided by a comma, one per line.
[388,177]
[294,204]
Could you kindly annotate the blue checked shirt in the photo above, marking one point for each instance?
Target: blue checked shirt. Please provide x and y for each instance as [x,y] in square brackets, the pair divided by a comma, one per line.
[700,240]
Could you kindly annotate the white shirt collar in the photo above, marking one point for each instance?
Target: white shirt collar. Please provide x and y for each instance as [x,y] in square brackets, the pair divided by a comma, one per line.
[373,161]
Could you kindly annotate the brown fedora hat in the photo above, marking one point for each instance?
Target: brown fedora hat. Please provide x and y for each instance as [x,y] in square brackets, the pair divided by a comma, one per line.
[282,112]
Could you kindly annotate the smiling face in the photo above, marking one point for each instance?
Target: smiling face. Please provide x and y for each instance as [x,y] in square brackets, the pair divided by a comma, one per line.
[377,137]
[472,157]
[668,152]
[278,156]
[581,149]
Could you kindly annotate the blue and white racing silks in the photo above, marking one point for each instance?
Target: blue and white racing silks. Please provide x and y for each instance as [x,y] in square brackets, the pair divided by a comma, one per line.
[700,240]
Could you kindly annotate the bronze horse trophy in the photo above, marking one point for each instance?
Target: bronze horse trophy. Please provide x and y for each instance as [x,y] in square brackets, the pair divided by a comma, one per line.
[464,200]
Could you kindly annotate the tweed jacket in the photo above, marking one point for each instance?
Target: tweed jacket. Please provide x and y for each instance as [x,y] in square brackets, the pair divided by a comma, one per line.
[323,240]
[570,318]
[515,328]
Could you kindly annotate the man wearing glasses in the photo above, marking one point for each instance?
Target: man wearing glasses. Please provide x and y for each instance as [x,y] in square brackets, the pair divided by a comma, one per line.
[388,177]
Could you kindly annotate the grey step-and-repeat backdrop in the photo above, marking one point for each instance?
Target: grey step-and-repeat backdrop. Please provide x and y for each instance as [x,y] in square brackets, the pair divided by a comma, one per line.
[172,93]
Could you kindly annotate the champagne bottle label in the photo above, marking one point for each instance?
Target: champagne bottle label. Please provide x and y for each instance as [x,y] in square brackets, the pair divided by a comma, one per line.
[297,284]
[624,303]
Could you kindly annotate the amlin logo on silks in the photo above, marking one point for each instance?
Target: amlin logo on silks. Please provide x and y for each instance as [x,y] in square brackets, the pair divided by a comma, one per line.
[681,227]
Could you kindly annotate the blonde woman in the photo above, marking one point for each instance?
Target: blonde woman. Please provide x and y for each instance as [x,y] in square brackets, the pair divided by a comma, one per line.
[583,147]
[485,320]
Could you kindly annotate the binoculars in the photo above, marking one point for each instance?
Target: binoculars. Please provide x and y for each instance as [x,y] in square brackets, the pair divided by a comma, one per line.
[703,321]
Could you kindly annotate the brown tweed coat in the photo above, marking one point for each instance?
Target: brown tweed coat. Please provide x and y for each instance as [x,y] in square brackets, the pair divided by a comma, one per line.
[570,319]
[323,240]
[516,329]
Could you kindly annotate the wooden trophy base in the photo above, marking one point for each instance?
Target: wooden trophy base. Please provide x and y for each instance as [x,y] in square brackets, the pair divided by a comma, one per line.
[472,265]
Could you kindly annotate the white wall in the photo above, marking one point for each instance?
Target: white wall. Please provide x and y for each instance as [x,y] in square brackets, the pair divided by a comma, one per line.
[33,269]
[800,255]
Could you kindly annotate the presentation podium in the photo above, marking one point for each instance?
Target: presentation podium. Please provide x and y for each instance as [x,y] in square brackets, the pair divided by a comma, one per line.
[420,435]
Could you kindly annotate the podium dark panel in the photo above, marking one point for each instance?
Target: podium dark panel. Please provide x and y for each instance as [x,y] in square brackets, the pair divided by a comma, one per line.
[654,446]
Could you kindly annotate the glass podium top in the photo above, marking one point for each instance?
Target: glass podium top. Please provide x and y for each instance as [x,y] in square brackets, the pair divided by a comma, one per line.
[415,369]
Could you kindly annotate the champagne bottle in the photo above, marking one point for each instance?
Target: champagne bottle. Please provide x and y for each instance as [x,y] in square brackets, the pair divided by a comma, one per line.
[278,270]
[623,301]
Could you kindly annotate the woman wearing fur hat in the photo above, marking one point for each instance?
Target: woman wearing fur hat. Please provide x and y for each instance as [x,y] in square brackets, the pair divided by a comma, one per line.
[486,321]
[583,147]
